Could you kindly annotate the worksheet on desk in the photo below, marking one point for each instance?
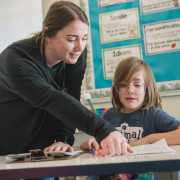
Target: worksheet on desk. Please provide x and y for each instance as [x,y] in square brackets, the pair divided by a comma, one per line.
[158,147]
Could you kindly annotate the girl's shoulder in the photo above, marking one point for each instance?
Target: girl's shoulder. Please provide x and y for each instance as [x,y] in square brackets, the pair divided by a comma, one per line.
[111,115]
[156,112]
[112,109]
[110,112]
[154,109]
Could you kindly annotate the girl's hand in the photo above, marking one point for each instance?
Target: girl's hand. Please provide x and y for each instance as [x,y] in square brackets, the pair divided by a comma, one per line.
[59,146]
[88,144]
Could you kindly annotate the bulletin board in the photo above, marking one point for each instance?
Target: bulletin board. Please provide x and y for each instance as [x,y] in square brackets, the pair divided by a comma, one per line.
[148,29]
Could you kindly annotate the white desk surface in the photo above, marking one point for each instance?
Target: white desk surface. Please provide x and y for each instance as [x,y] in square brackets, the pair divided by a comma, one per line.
[88,164]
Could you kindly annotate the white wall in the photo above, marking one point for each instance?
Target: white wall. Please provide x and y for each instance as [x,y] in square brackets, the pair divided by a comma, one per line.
[46,4]
[18,19]
[171,105]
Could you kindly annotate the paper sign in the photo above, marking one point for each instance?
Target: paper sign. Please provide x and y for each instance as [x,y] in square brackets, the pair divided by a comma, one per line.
[102,3]
[162,37]
[119,25]
[111,57]
[152,6]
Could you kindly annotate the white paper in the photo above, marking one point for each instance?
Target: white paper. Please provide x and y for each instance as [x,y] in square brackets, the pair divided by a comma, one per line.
[158,147]
[17,156]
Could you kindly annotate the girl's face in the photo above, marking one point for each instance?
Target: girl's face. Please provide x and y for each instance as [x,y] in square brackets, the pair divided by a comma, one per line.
[68,44]
[131,99]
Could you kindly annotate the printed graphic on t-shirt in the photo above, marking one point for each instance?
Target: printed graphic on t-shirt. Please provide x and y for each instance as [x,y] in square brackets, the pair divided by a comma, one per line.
[130,133]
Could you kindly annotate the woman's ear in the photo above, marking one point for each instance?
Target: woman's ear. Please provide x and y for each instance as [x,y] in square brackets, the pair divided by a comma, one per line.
[45,28]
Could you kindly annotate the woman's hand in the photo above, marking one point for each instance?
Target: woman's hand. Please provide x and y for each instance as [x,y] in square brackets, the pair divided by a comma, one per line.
[90,143]
[59,146]
[115,144]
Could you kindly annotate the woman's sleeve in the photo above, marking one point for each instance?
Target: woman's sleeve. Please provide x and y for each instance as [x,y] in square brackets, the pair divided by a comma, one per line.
[25,79]
[64,132]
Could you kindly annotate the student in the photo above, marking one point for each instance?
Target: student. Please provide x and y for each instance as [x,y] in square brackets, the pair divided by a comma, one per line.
[40,81]
[136,111]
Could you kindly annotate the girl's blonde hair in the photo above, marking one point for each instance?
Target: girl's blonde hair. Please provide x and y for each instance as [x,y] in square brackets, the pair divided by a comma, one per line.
[125,70]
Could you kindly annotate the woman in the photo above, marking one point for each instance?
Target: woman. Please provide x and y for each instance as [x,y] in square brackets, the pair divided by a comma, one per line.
[40,80]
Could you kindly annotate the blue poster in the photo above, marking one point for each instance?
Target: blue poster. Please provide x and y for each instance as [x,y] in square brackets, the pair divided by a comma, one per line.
[149,30]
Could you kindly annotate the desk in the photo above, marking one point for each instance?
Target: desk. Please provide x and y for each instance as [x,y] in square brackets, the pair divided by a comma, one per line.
[88,164]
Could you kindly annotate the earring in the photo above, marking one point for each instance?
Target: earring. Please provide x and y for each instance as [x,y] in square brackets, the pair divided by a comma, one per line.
[50,45]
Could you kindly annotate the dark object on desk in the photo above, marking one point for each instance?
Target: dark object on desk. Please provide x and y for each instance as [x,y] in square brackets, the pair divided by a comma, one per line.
[33,156]
[38,155]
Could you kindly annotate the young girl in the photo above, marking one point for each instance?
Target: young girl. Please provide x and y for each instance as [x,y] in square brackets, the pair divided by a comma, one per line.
[136,111]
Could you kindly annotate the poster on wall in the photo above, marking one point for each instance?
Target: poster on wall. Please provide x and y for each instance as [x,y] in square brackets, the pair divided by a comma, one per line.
[111,57]
[162,37]
[102,3]
[149,30]
[119,25]
[154,6]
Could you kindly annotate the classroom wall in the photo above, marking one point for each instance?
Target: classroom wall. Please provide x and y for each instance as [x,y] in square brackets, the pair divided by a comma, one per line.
[171,104]
[47,3]
[19,19]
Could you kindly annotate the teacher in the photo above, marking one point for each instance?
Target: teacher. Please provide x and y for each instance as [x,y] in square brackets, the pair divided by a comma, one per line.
[40,82]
